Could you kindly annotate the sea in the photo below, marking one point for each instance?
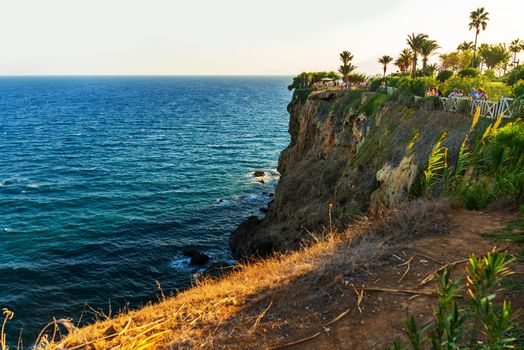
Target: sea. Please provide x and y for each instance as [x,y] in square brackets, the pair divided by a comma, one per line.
[105,181]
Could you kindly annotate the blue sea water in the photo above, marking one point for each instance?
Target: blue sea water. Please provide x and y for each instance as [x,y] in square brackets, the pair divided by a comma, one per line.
[104,181]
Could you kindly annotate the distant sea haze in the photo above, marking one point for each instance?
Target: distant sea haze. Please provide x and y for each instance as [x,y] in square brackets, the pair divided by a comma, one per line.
[104,181]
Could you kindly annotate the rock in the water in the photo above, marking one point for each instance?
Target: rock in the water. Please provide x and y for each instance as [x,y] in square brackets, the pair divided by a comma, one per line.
[197,258]
[263,210]
[218,269]
[259,173]
[241,243]
[261,181]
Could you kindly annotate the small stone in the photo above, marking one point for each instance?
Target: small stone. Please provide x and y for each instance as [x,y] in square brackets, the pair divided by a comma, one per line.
[259,173]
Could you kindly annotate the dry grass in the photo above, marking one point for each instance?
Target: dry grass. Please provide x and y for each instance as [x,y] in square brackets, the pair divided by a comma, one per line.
[208,315]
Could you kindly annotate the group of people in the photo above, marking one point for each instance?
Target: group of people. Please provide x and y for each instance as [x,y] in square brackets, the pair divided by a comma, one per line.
[339,84]
[433,92]
[475,94]
[479,94]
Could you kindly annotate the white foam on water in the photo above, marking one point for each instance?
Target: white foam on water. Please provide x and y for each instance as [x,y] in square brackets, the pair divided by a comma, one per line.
[33,185]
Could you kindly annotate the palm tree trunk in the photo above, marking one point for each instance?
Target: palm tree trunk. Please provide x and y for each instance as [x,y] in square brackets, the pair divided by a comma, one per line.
[424,65]
[473,63]
[414,67]
[384,71]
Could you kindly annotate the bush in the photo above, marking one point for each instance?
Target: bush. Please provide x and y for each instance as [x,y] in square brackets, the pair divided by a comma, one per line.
[494,90]
[515,75]
[416,86]
[469,72]
[393,81]
[490,74]
[476,195]
[506,160]
[357,78]
[518,89]
[444,75]
[374,103]
[478,318]
[374,84]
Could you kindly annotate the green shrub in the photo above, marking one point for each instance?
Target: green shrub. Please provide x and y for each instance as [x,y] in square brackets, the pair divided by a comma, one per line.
[374,84]
[301,95]
[494,90]
[515,75]
[490,74]
[476,195]
[416,86]
[469,72]
[457,321]
[393,81]
[357,78]
[444,75]
[374,103]
[518,89]
[506,159]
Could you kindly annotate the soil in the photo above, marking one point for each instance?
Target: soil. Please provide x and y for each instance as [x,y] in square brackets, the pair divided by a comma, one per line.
[301,309]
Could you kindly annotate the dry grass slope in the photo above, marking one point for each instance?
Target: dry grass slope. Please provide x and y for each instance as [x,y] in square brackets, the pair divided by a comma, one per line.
[208,315]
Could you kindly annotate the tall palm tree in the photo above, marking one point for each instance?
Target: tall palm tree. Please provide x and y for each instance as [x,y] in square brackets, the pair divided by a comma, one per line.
[427,48]
[404,60]
[478,20]
[515,47]
[465,46]
[346,68]
[385,60]
[346,57]
[414,43]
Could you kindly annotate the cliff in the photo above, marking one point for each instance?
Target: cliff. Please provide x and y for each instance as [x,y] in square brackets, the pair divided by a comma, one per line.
[355,150]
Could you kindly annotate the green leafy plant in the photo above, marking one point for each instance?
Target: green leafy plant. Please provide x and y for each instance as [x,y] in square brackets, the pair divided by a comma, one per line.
[437,163]
[469,72]
[458,323]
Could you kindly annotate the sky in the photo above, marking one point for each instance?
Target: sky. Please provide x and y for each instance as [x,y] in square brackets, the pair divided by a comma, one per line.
[231,37]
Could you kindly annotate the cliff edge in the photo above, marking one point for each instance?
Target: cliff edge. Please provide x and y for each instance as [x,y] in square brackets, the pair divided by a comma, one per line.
[355,150]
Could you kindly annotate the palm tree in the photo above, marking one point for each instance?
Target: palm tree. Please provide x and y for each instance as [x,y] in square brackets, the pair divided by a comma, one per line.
[346,57]
[478,20]
[515,47]
[385,60]
[415,42]
[465,46]
[427,48]
[346,68]
[404,60]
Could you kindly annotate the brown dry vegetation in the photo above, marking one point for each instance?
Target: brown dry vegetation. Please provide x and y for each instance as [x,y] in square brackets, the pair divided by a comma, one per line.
[348,291]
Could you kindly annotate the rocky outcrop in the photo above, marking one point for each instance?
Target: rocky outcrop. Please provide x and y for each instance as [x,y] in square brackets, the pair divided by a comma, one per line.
[351,149]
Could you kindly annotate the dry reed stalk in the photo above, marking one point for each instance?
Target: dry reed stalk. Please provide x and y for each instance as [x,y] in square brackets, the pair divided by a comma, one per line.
[259,317]
[407,269]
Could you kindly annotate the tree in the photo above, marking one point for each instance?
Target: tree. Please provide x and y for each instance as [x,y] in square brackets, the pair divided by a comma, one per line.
[431,69]
[465,46]
[450,61]
[403,61]
[415,42]
[385,60]
[346,68]
[427,48]
[515,47]
[478,20]
[494,56]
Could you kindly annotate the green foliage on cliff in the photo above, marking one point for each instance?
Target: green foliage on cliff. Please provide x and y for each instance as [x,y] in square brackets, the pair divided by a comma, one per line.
[488,167]
[301,95]
[305,79]
[373,104]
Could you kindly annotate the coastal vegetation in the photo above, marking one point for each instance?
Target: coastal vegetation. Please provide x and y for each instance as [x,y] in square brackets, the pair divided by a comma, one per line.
[494,68]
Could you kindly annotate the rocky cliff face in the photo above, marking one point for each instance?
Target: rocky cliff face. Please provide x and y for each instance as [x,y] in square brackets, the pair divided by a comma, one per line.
[354,150]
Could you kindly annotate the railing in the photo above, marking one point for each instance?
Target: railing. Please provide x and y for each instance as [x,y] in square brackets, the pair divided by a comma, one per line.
[488,109]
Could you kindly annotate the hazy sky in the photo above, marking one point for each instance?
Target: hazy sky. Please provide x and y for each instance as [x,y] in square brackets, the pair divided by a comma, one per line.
[194,37]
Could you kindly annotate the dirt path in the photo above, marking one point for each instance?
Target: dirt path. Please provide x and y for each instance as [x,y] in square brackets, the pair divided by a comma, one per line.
[301,308]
